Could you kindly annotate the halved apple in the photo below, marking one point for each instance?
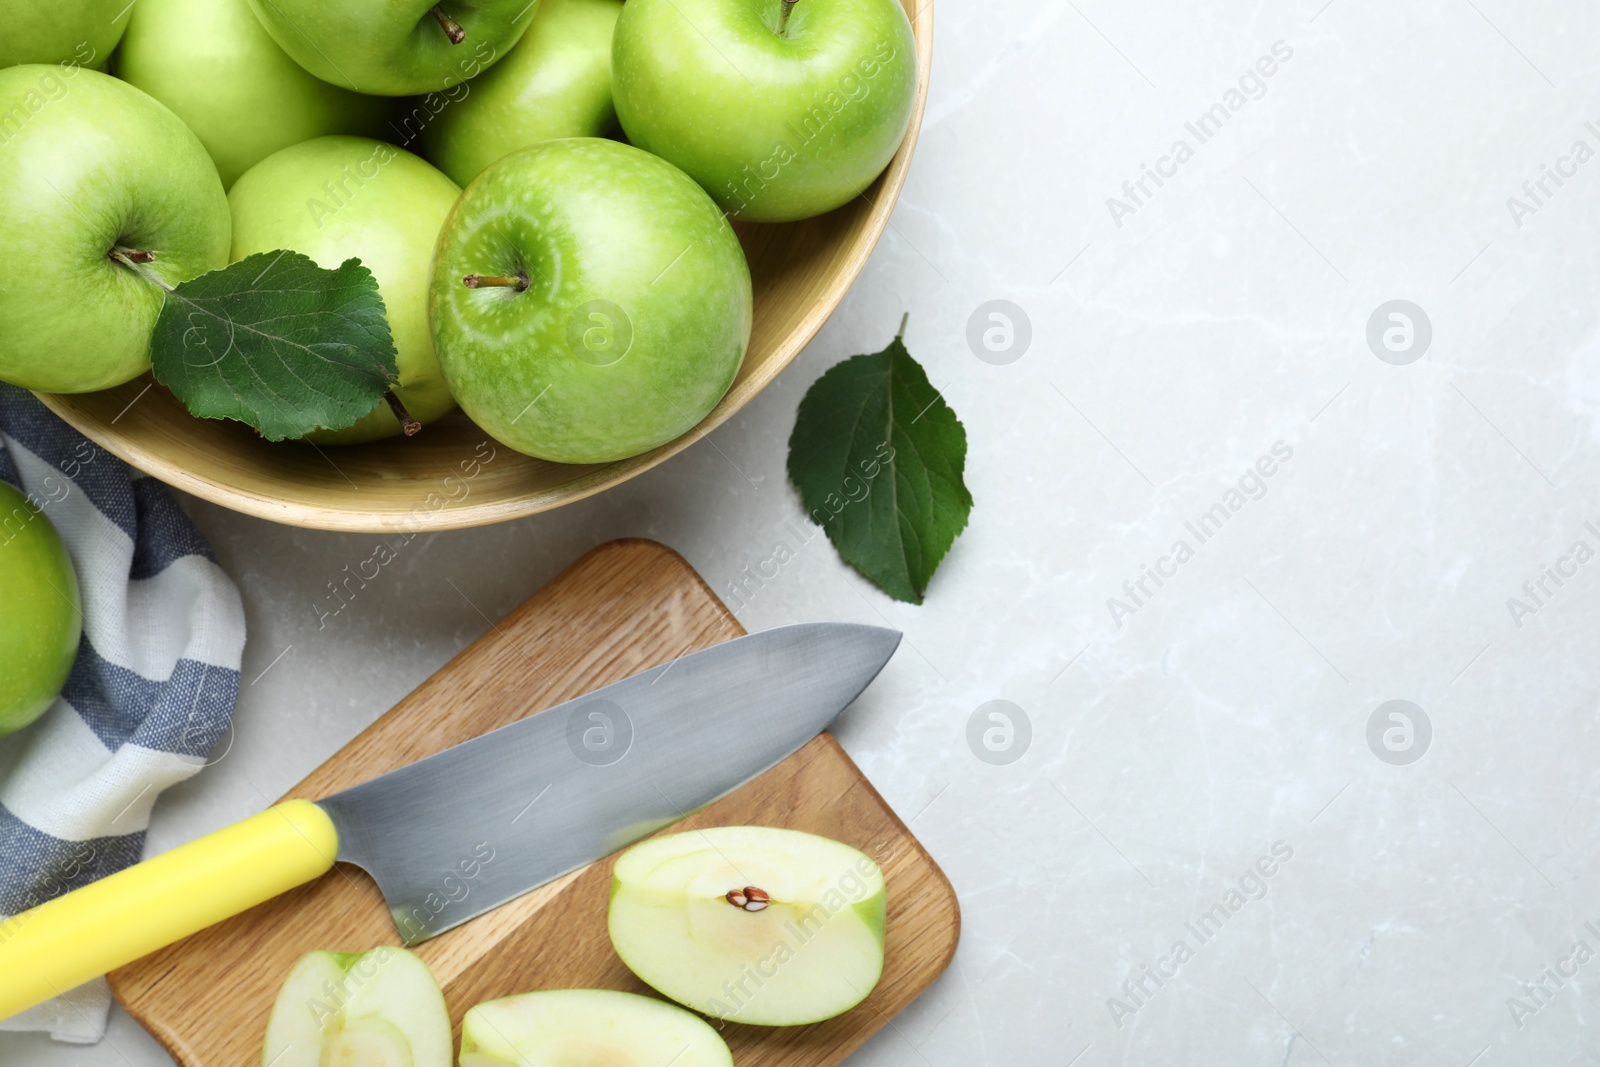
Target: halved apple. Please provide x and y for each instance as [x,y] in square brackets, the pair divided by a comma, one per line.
[359,1009]
[572,1027]
[751,923]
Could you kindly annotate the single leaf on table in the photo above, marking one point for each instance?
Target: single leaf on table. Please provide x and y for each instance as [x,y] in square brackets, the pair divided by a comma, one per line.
[878,457]
[277,342]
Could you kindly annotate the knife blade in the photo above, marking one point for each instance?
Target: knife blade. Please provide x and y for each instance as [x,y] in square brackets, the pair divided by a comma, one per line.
[455,834]
[467,829]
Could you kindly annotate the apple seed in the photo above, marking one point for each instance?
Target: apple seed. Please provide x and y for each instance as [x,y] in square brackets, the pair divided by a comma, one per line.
[749,898]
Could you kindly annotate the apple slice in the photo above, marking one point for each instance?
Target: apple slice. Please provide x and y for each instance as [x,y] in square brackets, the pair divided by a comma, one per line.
[359,1009]
[567,1027]
[750,923]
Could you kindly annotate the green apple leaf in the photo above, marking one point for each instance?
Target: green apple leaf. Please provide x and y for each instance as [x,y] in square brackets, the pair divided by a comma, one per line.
[878,457]
[277,342]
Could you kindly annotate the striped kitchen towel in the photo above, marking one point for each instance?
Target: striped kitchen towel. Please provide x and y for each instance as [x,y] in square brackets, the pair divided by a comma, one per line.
[150,695]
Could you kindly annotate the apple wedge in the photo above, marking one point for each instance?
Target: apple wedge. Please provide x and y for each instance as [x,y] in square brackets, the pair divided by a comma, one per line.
[359,1009]
[567,1027]
[750,923]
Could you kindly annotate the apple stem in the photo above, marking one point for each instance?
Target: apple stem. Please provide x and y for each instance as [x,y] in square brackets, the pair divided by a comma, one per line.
[408,422]
[135,260]
[519,282]
[783,17]
[452,28]
[903,320]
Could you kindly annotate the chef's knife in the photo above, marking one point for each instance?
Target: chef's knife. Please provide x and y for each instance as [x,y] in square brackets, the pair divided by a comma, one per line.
[460,832]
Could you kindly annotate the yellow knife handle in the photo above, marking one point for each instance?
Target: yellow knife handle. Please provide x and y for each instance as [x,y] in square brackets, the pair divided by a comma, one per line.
[91,931]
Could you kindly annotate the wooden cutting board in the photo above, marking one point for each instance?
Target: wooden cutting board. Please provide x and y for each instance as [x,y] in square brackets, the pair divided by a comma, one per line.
[623,608]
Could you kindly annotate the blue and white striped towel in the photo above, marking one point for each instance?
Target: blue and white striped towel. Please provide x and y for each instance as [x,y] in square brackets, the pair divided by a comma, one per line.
[150,695]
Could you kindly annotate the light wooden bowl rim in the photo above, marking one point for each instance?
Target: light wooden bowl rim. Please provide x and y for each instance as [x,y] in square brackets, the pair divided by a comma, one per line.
[159,463]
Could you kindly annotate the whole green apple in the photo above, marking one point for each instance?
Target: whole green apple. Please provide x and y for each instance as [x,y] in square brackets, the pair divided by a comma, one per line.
[214,65]
[89,166]
[781,110]
[77,32]
[589,301]
[555,83]
[395,47]
[337,198]
[40,615]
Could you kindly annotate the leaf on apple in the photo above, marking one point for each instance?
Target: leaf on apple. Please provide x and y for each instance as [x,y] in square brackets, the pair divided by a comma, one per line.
[277,342]
[878,458]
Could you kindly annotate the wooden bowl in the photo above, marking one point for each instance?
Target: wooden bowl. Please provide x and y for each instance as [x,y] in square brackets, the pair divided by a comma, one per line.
[454,475]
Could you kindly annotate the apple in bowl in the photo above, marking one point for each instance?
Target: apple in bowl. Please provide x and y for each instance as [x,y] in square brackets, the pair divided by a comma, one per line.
[781,109]
[339,198]
[395,47]
[589,302]
[555,83]
[218,69]
[107,196]
[78,32]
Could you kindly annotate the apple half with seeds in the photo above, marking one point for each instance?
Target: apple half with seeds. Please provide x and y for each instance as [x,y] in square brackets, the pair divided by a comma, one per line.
[569,1027]
[751,924]
[359,1009]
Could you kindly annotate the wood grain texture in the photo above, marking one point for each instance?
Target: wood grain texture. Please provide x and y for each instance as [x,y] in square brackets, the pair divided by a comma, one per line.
[800,270]
[622,608]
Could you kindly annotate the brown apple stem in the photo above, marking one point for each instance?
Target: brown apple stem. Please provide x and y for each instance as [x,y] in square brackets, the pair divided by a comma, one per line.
[452,28]
[783,17]
[518,282]
[408,422]
[135,260]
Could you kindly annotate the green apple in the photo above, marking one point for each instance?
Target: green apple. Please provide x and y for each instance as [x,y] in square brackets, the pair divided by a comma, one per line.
[573,1027]
[750,923]
[395,47]
[555,83]
[77,32]
[89,166]
[338,198]
[589,301]
[214,65]
[781,110]
[359,1009]
[41,617]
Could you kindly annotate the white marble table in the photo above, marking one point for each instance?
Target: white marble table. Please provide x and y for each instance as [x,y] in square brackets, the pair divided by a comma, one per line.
[1215,726]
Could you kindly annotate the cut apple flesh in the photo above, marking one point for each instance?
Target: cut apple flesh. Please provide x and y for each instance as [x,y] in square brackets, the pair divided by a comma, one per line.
[367,1043]
[587,1028]
[375,1009]
[751,924]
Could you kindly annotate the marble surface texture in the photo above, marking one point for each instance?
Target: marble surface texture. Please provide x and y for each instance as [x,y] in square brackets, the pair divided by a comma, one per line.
[1392,889]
